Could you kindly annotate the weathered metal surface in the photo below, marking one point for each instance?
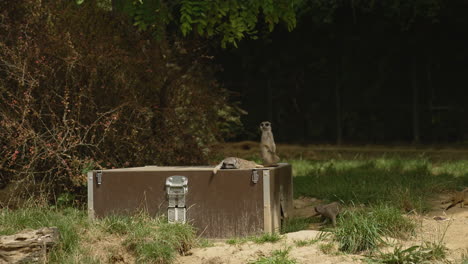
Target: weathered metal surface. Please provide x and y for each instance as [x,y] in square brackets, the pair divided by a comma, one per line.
[281,195]
[227,204]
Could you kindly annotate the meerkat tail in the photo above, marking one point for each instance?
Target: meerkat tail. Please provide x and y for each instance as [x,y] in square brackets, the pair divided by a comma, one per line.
[259,166]
[452,205]
[215,169]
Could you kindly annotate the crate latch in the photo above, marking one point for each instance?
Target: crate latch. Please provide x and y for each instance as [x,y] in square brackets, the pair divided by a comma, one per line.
[176,189]
[255,176]
[99,177]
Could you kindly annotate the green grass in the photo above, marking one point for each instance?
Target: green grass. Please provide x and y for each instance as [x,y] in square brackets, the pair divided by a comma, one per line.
[327,248]
[277,257]
[69,222]
[267,238]
[391,222]
[386,186]
[151,240]
[297,224]
[427,253]
[204,243]
[357,232]
[236,241]
[261,239]
[303,243]
[404,183]
[362,229]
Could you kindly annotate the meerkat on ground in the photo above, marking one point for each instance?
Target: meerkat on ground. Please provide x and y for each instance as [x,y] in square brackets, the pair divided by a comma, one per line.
[236,163]
[458,198]
[329,211]
[267,145]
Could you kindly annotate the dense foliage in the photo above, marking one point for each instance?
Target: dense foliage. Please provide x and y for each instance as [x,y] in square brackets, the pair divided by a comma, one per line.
[228,21]
[81,88]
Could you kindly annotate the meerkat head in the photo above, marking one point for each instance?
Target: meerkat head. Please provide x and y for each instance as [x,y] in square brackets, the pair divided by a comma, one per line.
[265,126]
[230,163]
[318,209]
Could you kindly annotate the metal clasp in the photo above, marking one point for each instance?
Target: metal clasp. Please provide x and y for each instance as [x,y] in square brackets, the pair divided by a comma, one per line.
[255,176]
[99,177]
[176,189]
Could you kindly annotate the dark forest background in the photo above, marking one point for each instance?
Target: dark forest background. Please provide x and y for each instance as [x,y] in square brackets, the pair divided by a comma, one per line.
[97,84]
[357,72]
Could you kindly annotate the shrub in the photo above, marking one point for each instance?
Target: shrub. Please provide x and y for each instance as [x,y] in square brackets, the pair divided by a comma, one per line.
[81,89]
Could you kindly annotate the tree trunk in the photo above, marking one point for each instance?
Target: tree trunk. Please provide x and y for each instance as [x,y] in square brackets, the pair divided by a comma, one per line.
[414,84]
[270,101]
[339,130]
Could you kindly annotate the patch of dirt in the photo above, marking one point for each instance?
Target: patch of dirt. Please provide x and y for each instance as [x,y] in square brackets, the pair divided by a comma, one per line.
[222,253]
[451,226]
[249,251]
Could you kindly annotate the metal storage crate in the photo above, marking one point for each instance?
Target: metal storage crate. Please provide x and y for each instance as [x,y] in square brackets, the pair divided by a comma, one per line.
[232,203]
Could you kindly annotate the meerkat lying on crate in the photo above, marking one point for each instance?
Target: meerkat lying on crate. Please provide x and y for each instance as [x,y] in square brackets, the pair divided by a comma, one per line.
[236,163]
[267,145]
[329,211]
[458,198]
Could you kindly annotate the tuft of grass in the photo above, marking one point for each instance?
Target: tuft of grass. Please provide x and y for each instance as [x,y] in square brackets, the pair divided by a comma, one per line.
[357,231]
[303,243]
[416,254]
[156,241]
[267,238]
[237,241]
[116,224]
[277,257]
[360,229]
[327,248]
[391,222]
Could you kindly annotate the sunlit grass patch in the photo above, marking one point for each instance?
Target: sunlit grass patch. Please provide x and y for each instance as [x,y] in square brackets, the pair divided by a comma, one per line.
[327,248]
[267,238]
[280,256]
[149,239]
[363,229]
[426,253]
[405,183]
[303,243]
[155,240]
[69,221]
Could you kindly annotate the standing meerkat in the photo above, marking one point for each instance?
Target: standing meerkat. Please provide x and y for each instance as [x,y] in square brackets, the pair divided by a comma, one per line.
[458,198]
[267,145]
[236,163]
[329,211]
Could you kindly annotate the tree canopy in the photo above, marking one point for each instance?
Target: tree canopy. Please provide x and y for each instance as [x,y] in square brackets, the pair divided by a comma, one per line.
[230,21]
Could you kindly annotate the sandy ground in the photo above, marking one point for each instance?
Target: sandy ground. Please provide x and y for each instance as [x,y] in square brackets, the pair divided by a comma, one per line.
[452,227]
[222,253]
